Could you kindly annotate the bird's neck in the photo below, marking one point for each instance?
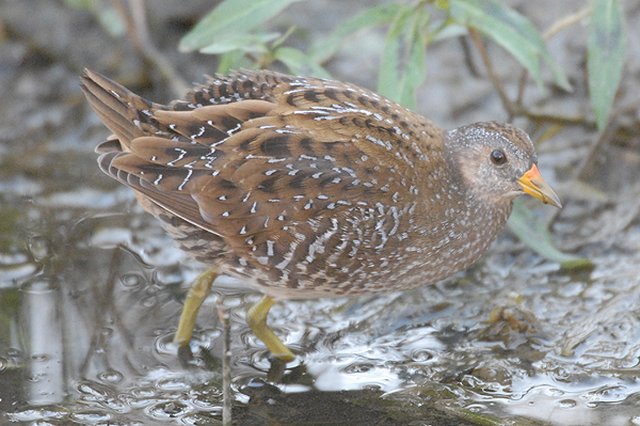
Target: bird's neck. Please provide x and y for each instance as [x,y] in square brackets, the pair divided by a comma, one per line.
[454,240]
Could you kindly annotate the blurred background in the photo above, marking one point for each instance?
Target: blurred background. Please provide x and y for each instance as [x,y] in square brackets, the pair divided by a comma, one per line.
[544,330]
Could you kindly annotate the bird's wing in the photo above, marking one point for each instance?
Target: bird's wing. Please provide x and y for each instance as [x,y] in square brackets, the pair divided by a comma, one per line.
[271,163]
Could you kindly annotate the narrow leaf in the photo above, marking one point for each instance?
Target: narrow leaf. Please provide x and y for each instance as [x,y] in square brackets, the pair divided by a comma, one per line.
[232,60]
[535,234]
[403,67]
[231,17]
[299,63]
[511,30]
[448,30]
[605,56]
[244,42]
[326,47]
[390,62]
[415,71]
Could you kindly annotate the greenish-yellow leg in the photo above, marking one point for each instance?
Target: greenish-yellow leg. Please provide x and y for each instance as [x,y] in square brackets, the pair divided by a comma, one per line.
[256,317]
[257,320]
[197,293]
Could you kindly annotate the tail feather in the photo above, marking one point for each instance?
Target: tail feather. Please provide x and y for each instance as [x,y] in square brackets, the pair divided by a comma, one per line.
[121,110]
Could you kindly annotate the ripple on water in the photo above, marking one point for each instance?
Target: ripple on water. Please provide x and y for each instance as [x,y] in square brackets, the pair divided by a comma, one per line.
[15,267]
[39,414]
[201,418]
[133,280]
[89,417]
[168,410]
[110,376]
[422,355]
[165,345]
[208,398]
[93,390]
[173,384]
[38,247]
[567,403]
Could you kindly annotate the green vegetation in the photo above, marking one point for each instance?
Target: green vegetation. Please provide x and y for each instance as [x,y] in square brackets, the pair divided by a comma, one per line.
[237,31]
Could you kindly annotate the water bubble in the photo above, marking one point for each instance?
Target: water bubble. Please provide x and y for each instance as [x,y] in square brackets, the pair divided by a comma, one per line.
[38,247]
[15,355]
[111,376]
[106,332]
[132,280]
[567,403]
[358,368]
[168,409]
[421,355]
[476,408]
[40,357]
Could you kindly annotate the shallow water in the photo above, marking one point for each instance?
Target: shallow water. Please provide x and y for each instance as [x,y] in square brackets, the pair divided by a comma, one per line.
[91,290]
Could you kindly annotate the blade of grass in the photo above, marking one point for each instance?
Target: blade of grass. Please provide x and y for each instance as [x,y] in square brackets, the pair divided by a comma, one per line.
[231,17]
[514,32]
[234,59]
[299,63]
[243,42]
[390,62]
[403,64]
[415,71]
[325,47]
[606,48]
[535,234]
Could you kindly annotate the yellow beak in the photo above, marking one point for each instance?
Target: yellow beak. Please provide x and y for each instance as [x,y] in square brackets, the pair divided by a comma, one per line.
[533,184]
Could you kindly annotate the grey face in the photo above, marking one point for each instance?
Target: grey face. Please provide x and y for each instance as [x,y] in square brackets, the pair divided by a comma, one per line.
[490,158]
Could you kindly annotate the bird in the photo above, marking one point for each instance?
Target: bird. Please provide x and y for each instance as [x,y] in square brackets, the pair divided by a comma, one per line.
[307,188]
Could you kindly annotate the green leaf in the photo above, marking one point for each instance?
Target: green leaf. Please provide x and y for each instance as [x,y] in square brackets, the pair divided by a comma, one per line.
[112,21]
[512,31]
[231,17]
[243,42]
[325,47]
[299,63]
[448,30]
[415,71]
[403,67]
[534,233]
[232,61]
[388,73]
[605,56]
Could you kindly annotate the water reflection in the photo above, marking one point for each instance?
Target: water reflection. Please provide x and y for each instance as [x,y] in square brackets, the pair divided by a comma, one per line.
[94,339]
[44,343]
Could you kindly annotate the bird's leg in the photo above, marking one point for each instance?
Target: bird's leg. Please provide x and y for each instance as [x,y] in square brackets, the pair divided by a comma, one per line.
[257,320]
[197,293]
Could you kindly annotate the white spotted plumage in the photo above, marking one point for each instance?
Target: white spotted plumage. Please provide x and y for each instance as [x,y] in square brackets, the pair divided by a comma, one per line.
[305,187]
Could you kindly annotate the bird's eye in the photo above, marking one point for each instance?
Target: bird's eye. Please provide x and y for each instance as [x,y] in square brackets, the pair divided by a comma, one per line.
[498,157]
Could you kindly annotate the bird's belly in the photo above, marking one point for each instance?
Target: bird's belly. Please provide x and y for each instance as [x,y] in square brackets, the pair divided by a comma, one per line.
[360,269]
[375,273]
